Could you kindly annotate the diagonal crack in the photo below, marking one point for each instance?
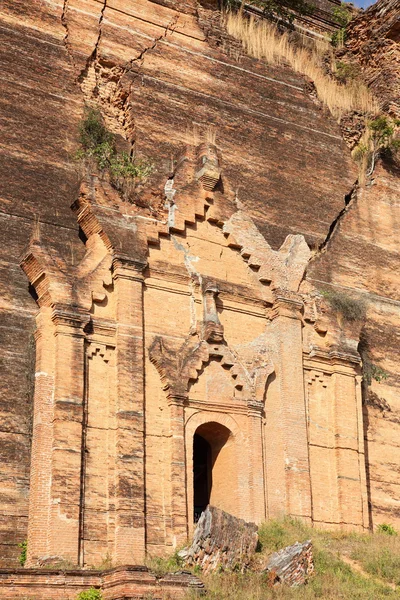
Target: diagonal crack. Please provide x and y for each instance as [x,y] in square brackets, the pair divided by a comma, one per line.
[134,65]
[93,56]
[170,28]
[349,200]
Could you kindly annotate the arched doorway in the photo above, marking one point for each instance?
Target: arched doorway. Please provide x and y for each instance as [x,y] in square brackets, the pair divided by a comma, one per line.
[214,468]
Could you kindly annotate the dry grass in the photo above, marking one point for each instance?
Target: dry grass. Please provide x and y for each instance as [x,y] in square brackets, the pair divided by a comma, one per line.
[378,554]
[263,41]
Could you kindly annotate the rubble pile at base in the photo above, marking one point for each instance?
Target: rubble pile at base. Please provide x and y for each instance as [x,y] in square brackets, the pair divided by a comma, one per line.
[293,565]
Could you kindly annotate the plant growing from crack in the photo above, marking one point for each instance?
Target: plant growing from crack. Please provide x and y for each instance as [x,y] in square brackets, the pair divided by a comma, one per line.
[24,549]
[98,146]
[379,140]
[371,372]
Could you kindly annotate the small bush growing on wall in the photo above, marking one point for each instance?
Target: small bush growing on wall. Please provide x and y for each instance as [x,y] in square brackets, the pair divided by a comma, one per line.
[351,309]
[24,548]
[373,372]
[346,72]
[379,140]
[162,566]
[342,16]
[98,145]
[91,594]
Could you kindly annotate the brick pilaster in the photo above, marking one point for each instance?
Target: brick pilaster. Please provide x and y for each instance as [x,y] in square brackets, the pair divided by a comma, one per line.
[350,460]
[288,330]
[54,521]
[130,477]
[179,509]
[67,432]
[257,511]
[42,436]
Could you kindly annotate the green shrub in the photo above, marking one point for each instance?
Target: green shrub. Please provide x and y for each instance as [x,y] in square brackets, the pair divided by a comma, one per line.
[373,372]
[342,16]
[387,529]
[91,594]
[379,140]
[24,548]
[351,309]
[123,167]
[92,131]
[98,145]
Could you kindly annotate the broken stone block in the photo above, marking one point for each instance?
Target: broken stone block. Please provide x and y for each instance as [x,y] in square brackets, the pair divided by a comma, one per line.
[221,541]
[293,565]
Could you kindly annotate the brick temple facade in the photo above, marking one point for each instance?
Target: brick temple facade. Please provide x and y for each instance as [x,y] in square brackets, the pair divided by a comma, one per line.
[180,363]
[180,349]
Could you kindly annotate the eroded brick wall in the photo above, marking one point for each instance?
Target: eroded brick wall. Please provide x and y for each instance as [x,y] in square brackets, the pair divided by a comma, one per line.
[284,165]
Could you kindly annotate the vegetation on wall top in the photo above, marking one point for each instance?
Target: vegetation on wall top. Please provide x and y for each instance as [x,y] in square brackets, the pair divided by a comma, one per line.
[278,10]
[263,40]
[342,15]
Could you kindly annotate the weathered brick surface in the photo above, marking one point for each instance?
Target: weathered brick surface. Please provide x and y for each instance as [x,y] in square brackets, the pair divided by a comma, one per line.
[186,313]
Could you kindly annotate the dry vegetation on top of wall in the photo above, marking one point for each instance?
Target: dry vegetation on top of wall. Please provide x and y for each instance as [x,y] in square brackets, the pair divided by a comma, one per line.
[262,40]
[377,557]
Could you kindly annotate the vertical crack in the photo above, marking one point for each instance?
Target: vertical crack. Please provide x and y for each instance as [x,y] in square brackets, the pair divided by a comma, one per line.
[64,23]
[100,26]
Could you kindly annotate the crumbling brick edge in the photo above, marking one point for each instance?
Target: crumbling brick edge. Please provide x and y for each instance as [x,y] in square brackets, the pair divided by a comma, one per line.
[120,582]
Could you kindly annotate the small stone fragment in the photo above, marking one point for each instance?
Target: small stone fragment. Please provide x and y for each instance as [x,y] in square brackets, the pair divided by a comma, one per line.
[293,565]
